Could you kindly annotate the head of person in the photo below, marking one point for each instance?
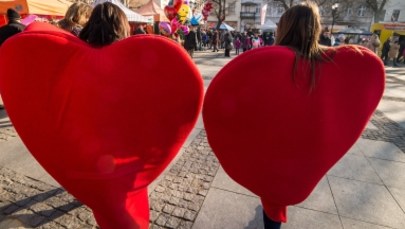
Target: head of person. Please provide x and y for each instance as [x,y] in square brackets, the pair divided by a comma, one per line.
[13,15]
[107,24]
[299,28]
[78,13]
[75,17]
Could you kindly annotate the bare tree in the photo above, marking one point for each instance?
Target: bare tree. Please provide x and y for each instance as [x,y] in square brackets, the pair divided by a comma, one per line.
[378,8]
[219,11]
[289,3]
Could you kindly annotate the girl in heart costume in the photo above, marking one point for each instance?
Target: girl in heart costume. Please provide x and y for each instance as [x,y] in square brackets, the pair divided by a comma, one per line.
[279,128]
[107,24]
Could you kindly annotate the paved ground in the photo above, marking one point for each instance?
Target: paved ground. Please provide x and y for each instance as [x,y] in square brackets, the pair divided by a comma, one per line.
[366,189]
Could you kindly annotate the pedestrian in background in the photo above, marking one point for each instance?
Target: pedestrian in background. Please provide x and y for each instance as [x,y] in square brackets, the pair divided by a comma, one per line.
[237,43]
[246,42]
[393,52]
[13,26]
[215,41]
[190,41]
[401,50]
[385,49]
[228,44]
[373,43]
[75,18]
[107,24]
[141,29]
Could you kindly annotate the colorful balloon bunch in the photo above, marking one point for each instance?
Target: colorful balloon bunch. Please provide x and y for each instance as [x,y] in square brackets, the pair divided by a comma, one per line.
[179,13]
[207,10]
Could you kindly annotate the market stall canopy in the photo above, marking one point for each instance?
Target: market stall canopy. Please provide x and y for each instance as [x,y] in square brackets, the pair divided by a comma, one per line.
[152,9]
[354,31]
[131,15]
[268,25]
[38,7]
[225,26]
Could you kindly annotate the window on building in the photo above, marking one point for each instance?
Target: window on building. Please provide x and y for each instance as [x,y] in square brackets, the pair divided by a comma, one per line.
[361,12]
[395,15]
[231,8]
[249,8]
[349,11]
[280,10]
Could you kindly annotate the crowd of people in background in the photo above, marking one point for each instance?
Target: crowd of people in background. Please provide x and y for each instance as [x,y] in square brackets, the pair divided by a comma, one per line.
[231,42]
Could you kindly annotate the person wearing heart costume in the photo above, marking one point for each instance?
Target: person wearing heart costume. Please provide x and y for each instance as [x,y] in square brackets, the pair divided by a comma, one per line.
[107,24]
[103,130]
[278,118]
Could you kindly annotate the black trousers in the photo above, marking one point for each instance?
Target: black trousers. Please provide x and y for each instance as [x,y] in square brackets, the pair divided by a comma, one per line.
[227,52]
[270,224]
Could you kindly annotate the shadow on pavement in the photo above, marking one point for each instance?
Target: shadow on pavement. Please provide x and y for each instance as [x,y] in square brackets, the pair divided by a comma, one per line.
[39,215]
[256,222]
[3,113]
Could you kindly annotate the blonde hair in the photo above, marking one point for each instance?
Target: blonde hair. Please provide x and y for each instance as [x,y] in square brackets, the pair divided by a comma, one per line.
[77,15]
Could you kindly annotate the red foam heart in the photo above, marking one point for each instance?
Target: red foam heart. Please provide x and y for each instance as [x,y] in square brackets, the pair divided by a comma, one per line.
[170,12]
[177,4]
[104,122]
[274,135]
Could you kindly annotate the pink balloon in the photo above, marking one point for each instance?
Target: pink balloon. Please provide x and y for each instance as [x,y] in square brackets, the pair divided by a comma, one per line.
[185,29]
[165,28]
[29,19]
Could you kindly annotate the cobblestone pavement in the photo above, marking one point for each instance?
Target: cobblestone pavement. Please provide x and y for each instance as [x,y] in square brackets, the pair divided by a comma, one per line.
[388,131]
[29,203]
[176,200]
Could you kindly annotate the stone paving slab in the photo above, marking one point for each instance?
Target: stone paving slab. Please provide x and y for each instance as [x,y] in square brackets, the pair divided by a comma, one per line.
[367,202]
[321,199]
[356,168]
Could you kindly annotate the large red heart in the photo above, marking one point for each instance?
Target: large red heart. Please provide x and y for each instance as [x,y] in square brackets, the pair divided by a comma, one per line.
[104,122]
[273,134]
[170,12]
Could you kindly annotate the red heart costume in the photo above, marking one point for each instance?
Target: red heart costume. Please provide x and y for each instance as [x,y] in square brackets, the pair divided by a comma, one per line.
[274,135]
[104,122]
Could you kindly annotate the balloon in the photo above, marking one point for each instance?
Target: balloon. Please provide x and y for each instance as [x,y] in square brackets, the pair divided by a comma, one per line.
[175,24]
[170,12]
[165,28]
[195,20]
[185,29]
[29,19]
[177,4]
[184,14]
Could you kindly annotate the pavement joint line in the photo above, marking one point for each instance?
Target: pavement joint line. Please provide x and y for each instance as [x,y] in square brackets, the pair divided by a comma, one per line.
[352,179]
[231,191]
[334,201]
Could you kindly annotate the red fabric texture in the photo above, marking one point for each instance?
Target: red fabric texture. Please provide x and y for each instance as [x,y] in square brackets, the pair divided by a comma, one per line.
[104,122]
[275,136]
